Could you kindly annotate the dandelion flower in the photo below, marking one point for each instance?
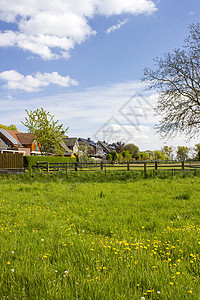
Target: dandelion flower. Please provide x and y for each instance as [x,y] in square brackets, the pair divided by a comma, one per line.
[12,270]
[42,240]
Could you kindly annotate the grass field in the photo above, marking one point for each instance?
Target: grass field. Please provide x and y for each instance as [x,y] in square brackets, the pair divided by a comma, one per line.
[86,239]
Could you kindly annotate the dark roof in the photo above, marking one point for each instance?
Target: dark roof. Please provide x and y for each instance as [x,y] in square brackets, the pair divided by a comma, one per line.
[112,147]
[25,138]
[65,147]
[87,142]
[104,146]
[69,142]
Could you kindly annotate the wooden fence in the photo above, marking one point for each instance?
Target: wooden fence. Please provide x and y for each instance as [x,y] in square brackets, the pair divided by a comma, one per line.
[11,161]
[155,166]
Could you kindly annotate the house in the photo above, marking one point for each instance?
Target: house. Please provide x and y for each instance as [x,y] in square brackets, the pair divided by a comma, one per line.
[104,146]
[3,145]
[72,144]
[96,150]
[19,142]
[88,144]
[68,152]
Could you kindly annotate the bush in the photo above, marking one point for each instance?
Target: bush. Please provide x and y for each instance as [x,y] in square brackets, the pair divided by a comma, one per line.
[31,161]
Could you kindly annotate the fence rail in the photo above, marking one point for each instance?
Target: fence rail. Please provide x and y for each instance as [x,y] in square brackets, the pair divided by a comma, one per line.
[11,161]
[136,165]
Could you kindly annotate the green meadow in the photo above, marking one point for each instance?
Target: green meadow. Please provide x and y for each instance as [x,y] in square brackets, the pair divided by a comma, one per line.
[87,238]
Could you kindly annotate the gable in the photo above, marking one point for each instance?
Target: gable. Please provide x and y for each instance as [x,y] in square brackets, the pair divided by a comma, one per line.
[25,138]
[70,142]
[9,136]
[2,144]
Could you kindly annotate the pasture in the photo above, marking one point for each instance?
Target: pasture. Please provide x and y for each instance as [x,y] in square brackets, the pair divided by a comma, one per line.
[87,239]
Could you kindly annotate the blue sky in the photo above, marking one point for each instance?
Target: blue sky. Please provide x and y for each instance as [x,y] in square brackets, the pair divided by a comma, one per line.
[82,61]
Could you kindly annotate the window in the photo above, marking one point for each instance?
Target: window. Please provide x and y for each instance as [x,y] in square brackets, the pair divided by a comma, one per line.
[36,146]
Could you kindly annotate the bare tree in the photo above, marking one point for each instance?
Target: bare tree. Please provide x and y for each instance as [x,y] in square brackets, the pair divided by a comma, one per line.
[119,146]
[177,80]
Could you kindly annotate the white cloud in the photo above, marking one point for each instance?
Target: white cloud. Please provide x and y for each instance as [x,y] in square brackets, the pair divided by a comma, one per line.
[117,7]
[48,24]
[29,83]
[40,45]
[116,27]
[114,131]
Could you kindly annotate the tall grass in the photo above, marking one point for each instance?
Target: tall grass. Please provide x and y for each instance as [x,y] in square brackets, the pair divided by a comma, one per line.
[123,239]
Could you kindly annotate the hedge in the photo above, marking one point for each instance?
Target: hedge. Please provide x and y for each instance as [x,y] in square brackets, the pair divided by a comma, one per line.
[30,161]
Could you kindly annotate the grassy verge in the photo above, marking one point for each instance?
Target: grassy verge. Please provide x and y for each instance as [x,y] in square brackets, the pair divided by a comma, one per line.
[82,238]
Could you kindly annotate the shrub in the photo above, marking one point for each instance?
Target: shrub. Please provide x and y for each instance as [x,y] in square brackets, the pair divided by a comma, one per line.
[30,161]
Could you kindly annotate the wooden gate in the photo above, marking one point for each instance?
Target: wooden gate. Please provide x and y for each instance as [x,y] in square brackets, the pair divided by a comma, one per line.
[11,161]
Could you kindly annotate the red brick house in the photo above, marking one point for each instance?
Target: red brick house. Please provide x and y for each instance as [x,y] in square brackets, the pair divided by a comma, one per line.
[18,142]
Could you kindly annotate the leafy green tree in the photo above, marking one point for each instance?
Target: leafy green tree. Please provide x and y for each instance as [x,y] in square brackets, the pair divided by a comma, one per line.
[182,153]
[144,155]
[158,155]
[133,150]
[47,132]
[86,150]
[126,155]
[109,157]
[11,127]
[120,157]
[112,156]
[197,151]
[167,150]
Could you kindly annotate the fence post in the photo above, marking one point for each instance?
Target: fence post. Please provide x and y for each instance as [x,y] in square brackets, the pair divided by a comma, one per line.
[183,165]
[145,168]
[30,172]
[76,166]
[156,166]
[47,166]
[101,165]
[128,166]
[105,168]
[66,168]
[58,166]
